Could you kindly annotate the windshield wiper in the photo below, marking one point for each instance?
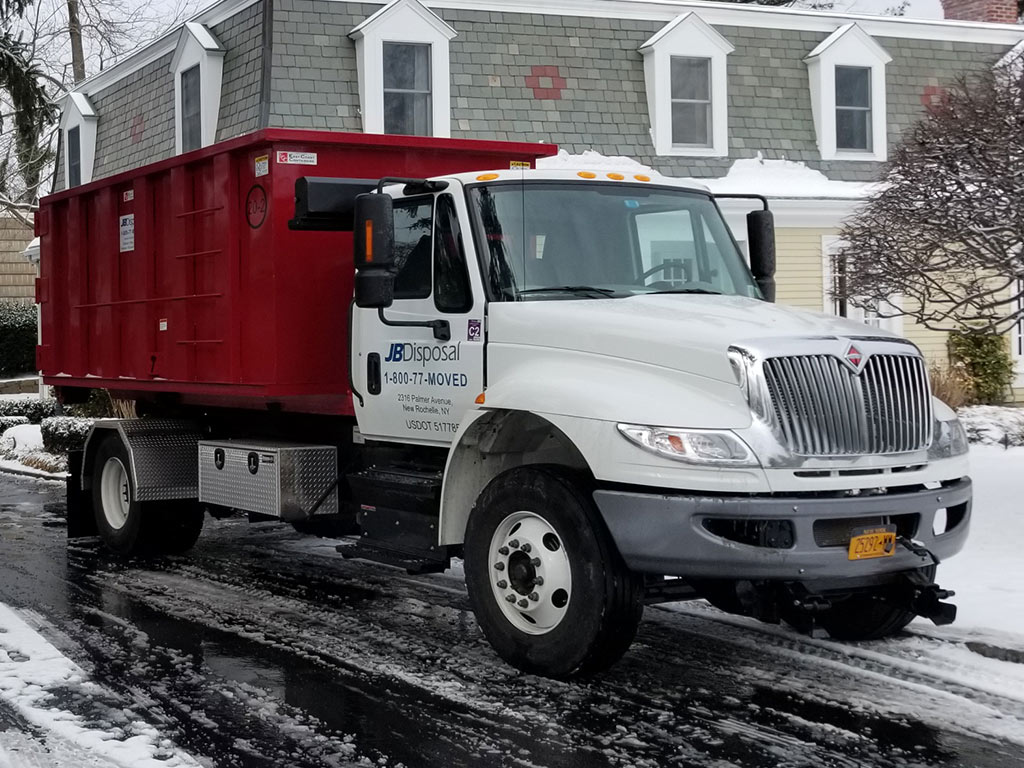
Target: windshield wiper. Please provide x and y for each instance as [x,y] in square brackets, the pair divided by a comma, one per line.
[686,290]
[577,289]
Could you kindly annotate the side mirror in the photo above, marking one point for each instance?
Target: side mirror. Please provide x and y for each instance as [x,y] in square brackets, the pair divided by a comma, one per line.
[373,250]
[761,242]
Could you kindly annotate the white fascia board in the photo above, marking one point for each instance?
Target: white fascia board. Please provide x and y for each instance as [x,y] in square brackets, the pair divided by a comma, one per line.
[859,39]
[440,26]
[667,32]
[718,13]
[195,42]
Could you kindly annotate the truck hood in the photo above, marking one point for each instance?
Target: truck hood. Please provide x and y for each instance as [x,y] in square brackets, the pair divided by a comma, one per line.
[689,332]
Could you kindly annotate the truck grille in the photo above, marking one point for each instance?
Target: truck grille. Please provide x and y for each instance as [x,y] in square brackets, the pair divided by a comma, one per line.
[823,408]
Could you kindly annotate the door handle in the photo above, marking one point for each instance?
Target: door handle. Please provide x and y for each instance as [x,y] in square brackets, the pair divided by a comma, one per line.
[373,373]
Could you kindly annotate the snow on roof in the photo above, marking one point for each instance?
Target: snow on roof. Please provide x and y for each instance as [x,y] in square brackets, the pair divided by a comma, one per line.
[754,175]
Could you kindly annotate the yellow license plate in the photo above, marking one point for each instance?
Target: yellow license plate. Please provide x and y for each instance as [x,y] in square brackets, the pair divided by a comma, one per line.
[869,543]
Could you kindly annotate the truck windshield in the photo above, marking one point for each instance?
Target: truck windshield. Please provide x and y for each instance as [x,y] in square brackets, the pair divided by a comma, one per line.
[555,240]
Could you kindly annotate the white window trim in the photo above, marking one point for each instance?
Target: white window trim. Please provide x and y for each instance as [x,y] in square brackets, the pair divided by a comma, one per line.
[690,36]
[197,45]
[829,245]
[78,112]
[403,21]
[848,46]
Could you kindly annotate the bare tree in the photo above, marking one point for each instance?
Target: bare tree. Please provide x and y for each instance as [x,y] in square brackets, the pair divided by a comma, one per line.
[946,230]
[47,47]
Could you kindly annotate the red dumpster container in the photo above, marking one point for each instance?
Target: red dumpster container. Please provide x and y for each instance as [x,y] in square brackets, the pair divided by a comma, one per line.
[183,277]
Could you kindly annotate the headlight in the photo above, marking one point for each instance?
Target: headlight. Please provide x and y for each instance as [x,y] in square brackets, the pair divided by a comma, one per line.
[696,446]
[948,439]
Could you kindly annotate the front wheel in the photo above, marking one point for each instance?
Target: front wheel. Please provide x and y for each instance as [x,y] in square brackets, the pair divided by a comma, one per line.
[549,589]
[128,526]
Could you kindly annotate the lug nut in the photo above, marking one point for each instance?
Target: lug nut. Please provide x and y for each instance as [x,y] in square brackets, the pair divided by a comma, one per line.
[535,562]
[499,566]
[526,547]
[514,543]
[538,581]
[523,603]
[534,596]
[502,550]
[502,584]
[510,598]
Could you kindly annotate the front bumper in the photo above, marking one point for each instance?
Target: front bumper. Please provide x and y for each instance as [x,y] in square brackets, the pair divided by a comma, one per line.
[669,533]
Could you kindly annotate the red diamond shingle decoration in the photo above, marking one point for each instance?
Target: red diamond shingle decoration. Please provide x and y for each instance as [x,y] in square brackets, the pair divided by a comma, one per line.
[546,82]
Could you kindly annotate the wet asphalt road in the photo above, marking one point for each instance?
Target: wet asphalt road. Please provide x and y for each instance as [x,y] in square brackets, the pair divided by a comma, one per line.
[265,648]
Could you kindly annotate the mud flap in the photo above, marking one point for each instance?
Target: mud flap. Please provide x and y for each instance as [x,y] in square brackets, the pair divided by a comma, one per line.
[81,520]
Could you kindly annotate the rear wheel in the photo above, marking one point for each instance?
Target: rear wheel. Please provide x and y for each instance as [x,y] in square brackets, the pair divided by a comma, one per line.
[132,527]
[550,591]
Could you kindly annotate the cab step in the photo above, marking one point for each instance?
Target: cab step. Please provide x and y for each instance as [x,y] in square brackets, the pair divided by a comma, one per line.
[412,563]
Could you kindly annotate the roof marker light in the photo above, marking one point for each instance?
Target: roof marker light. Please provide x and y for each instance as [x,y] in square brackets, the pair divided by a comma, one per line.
[641,177]
[487,177]
[616,176]
[587,175]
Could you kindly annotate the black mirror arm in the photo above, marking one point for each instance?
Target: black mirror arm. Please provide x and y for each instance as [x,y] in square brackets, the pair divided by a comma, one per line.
[442,328]
[738,196]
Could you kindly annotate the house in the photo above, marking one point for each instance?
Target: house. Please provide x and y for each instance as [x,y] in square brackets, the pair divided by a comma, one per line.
[802,106]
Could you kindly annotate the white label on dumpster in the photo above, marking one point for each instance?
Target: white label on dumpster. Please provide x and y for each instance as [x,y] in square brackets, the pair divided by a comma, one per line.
[296,158]
[163,323]
[128,196]
[262,165]
[127,228]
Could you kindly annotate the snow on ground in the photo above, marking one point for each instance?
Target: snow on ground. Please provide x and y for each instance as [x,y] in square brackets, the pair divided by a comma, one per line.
[993,424]
[988,575]
[31,670]
[21,450]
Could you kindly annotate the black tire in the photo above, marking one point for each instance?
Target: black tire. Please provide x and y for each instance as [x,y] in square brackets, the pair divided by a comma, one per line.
[148,528]
[857,617]
[605,600]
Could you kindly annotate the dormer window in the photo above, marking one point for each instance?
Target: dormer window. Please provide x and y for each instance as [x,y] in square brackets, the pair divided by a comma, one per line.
[78,135]
[847,80]
[198,67]
[407,103]
[684,67]
[404,80]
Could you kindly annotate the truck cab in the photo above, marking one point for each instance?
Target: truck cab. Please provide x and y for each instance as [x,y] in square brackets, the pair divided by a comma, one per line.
[600,365]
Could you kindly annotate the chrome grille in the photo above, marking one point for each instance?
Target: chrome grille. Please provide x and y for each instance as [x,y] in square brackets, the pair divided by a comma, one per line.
[823,408]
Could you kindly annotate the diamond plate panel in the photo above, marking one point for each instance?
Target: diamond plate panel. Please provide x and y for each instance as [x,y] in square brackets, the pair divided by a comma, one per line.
[162,454]
[289,479]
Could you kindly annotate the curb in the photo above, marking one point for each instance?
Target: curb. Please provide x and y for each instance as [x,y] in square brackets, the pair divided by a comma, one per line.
[37,474]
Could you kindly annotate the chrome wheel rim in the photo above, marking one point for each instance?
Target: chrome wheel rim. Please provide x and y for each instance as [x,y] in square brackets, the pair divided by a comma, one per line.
[529,573]
[115,493]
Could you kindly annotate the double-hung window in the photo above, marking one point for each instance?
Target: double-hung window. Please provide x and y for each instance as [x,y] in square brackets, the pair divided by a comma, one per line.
[853,108]
[407,95]
[691,101]
[74,150]
[191,110]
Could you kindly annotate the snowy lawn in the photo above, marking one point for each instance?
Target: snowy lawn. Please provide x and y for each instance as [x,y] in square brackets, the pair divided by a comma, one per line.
[988,575]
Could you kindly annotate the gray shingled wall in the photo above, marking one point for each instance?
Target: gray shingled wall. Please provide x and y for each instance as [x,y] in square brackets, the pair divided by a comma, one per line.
[314,82]
[242,36]
[603,106]
[136,120]
[604,103]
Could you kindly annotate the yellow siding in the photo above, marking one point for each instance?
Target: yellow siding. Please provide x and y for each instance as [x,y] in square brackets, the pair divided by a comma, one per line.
[799,273]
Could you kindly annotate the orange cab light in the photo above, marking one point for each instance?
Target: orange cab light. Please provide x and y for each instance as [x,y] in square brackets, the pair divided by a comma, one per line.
[487,177]
[369,240]
[641,177]
[587,175]
[616,176]
[479,399]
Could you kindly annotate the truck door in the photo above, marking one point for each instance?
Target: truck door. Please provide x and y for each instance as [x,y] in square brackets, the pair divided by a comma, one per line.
[415,387]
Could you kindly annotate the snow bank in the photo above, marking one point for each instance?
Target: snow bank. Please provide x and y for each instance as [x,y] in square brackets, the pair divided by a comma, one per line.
[21,448]
[31,669]
[993,424]
[591,160]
